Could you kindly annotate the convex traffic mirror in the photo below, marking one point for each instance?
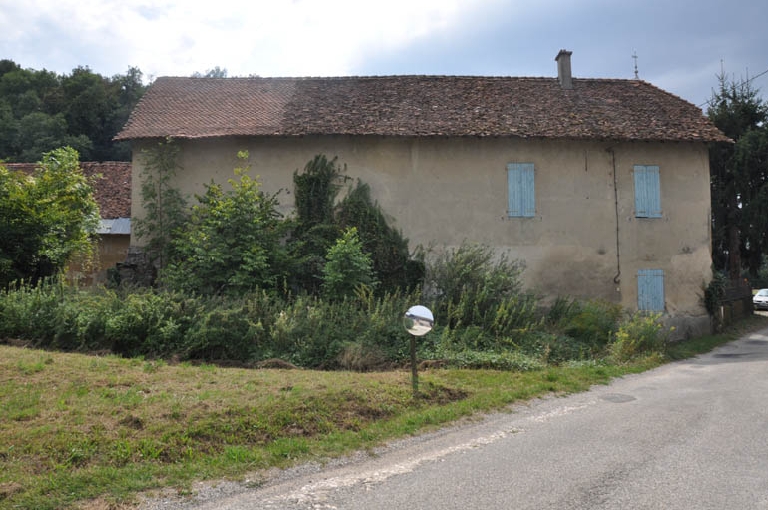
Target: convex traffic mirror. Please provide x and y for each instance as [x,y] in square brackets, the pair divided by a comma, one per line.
[418,320]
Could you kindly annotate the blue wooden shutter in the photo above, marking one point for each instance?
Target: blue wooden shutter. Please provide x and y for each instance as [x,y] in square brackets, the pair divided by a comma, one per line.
[522,195]
[650,290]
[647,191]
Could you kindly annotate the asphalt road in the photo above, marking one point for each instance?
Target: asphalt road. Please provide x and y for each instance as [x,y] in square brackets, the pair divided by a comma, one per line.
[688,435]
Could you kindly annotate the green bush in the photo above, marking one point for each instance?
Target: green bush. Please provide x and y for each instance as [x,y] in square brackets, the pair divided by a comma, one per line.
[714,293]
[472,286]
[232,243]
[380,322]
[29,312]
[226,333]
[151,324]
[592,323]
[81,317]
[310,332]
[362,357]
[347,267]
[392,262]
[232,329]
[357,331]
[46,219]
[642,333]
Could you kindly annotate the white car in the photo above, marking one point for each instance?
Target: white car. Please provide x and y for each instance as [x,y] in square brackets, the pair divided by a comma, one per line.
[760,300]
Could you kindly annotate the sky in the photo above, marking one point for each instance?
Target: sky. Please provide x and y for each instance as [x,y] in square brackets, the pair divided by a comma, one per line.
[681,45]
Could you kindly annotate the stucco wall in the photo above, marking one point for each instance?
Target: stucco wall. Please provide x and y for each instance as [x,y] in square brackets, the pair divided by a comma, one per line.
[441,192]
[110,249]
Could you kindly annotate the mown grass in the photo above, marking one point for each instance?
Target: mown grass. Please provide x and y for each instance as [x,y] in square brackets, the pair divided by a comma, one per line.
[75,429]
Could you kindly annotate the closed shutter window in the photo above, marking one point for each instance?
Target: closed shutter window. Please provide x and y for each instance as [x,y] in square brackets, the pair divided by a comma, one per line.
[647,191]
[650,290]
[520,181]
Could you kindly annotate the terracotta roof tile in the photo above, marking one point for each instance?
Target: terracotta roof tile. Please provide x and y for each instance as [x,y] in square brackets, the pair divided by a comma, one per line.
[112,191]
[416,106]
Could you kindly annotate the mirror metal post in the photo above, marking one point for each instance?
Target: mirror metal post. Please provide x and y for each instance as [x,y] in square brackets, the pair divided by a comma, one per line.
[418,321]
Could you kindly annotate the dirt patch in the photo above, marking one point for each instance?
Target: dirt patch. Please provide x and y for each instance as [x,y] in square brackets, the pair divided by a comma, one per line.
[442,395]
[8,489]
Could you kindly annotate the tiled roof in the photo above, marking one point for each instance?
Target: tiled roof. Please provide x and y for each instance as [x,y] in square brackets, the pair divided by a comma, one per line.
[112,191]
[416,106]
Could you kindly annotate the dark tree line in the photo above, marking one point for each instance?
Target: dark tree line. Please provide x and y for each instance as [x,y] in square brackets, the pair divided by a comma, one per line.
[739,179]
[41,111]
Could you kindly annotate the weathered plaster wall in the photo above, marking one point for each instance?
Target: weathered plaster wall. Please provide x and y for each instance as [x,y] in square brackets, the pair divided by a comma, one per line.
[110,249]
[441,192]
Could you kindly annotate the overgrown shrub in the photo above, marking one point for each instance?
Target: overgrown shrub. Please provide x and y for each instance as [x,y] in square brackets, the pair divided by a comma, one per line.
[230,331]
[152,323]
[714,293]
[393,264]
[363,357]
[472,286]
[80,319]
[310,332]
[347,267]
[314,230]
[359,330]
[642,333]
[29,312]
[233,242]
[592,323]
[380,326]
[46,219]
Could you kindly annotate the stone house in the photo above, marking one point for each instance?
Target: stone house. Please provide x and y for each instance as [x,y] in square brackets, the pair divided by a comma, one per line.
[601,186]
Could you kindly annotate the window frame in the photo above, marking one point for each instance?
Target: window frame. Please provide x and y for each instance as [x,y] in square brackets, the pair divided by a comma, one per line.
[647,180]
[521,190]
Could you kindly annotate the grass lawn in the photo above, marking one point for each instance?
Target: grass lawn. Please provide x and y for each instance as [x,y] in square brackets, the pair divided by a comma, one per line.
[79,431]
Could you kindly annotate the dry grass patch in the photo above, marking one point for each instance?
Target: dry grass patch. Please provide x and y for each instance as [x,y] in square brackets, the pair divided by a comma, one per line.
[83,414]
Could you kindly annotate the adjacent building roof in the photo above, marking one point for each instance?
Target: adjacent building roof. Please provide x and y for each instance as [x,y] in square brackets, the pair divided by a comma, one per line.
[609,109]
[112,190]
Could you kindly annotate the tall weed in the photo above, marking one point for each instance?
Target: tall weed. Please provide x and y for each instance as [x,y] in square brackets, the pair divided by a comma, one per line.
[642,333]
[473,286]
[234,329]
[30,312]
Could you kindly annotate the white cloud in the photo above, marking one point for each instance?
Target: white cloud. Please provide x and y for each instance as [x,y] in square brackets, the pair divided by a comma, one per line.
[266,37]
[342,37]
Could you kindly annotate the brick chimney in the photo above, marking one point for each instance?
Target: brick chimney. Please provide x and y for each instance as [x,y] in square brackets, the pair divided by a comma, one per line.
[563,60]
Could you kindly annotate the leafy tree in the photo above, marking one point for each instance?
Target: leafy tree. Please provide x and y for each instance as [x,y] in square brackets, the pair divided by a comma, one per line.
[8,129]
[39,132]
[232,243]
[165,208]
[738,177]
[45,219]
[216,72]
[348,267]
[40,110]
[128,89]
